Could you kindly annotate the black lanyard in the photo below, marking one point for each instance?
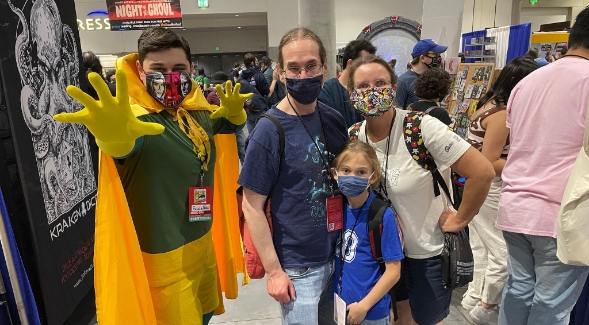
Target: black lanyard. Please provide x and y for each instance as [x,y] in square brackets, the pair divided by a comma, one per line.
[574,55]
[383,184]
[348,242]
[325,161]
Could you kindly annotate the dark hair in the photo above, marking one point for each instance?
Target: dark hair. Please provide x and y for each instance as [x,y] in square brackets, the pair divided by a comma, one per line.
[393,63]
[564,50]
[433,84]
[512,73]
[532,53]
[201,71]
[249,60]
[296,34]
[414,61]
[109,73]
[369,59]
[237,65]
[355,48]
[267,61]
[579,36]
[91,62]
[159,39]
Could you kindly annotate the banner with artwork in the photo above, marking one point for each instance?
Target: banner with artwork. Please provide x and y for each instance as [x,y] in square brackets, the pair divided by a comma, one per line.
[40,57]
[144,14]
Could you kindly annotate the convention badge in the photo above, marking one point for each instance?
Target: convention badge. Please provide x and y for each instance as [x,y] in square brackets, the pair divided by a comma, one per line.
[339,310]
[335,213]
[200,203]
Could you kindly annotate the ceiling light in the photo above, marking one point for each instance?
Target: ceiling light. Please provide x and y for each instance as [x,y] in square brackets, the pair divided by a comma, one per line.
[239,27]
[236,15]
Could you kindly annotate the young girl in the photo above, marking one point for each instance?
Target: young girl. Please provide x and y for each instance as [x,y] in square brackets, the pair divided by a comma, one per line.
[358,278]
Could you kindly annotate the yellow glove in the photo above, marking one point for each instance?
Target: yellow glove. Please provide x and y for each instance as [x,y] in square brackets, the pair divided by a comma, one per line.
[109,119]
[231,104]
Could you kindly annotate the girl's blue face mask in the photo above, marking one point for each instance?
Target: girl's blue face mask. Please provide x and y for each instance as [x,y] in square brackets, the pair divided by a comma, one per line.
[352,186]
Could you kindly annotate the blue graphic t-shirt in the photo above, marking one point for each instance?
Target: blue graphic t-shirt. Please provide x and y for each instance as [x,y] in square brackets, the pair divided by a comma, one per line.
[300,180]
[361,271]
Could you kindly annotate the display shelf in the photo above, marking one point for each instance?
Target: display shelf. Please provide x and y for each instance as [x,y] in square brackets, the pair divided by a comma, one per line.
[479,56]
[480,44]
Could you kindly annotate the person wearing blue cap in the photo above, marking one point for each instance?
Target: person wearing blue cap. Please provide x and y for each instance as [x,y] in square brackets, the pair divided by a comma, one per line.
[426,55]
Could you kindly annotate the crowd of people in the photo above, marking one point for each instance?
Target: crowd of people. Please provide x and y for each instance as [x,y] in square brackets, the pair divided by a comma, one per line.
[364,146]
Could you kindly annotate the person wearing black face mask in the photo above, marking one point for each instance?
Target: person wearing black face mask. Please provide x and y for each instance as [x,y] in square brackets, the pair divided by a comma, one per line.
[426,55]
[299,256]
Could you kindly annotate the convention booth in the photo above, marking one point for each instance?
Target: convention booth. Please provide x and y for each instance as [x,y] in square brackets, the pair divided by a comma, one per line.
[504,43]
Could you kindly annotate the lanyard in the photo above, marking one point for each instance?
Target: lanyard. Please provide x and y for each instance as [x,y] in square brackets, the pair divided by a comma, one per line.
[383,184]
[325,161]
[348,242]
[577,56]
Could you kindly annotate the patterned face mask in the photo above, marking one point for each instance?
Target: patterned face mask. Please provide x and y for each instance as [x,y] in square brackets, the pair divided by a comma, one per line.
[373,101]
[168,88]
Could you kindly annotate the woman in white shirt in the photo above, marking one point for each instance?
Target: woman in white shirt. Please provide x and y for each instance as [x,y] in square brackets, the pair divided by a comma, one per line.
[409,187]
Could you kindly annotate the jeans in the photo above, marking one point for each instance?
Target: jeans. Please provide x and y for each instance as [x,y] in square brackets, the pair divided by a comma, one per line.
[240,137]
[489,251]
[540,290]
[313,288]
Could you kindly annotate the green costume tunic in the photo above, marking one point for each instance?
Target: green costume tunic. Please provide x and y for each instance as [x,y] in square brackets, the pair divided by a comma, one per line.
[156,177]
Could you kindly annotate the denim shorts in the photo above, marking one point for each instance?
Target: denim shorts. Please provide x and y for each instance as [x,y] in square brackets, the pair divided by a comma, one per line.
[382,321]
[421,283]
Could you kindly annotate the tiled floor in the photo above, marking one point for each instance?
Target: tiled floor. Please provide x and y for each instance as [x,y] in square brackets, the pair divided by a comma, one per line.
[254,306]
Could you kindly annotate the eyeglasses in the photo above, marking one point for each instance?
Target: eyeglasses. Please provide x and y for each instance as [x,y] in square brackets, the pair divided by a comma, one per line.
[376,84]
[312,70]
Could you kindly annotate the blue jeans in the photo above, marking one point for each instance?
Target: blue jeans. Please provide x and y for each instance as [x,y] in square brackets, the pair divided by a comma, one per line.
[540,290]
[313,287]
[240,137]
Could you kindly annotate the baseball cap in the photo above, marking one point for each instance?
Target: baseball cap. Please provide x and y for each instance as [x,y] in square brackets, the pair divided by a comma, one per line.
[426,45]
[219,77]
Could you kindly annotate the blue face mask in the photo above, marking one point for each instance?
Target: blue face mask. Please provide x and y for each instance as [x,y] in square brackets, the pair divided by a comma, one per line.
[352,186]
[304,90]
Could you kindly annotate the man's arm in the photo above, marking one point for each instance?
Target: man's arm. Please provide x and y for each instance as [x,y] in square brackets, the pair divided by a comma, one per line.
[279,284]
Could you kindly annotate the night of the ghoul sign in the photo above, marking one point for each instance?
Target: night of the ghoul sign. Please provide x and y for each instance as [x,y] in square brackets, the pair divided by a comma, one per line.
[143,14]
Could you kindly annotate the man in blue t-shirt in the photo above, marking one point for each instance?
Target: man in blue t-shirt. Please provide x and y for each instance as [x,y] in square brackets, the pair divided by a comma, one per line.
[426,55]
[299,256]
[335,93]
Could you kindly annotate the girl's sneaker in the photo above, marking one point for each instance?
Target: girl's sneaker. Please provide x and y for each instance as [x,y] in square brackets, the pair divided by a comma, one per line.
[482,316]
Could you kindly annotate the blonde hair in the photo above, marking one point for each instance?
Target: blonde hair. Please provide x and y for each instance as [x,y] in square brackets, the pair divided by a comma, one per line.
[355,147]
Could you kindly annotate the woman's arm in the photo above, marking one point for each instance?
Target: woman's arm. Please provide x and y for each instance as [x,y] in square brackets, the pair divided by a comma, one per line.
[496,135]
[357,311]
[479,173]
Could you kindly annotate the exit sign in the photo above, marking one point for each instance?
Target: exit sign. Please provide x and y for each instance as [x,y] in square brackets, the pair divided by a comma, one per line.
[217,48]
[533,2]
[203,3]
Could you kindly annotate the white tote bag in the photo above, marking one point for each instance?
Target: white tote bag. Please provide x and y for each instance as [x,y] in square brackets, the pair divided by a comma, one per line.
[572,225]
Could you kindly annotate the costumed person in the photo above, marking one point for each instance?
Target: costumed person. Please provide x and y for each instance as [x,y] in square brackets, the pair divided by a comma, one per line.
[163,149]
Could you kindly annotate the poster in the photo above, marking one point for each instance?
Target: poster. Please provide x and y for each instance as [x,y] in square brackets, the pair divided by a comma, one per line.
[451,65]
[144,14]
[545,50]
[40,57]
[472,82]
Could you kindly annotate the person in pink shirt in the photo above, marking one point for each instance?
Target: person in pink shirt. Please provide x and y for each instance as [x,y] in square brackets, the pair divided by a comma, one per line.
[546,117]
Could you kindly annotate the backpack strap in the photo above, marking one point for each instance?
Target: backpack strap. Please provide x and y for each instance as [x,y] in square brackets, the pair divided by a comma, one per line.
[376,212]
[354,131]
[281,141]
[280,130]
[419,153]
[427,111]
[375,224]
